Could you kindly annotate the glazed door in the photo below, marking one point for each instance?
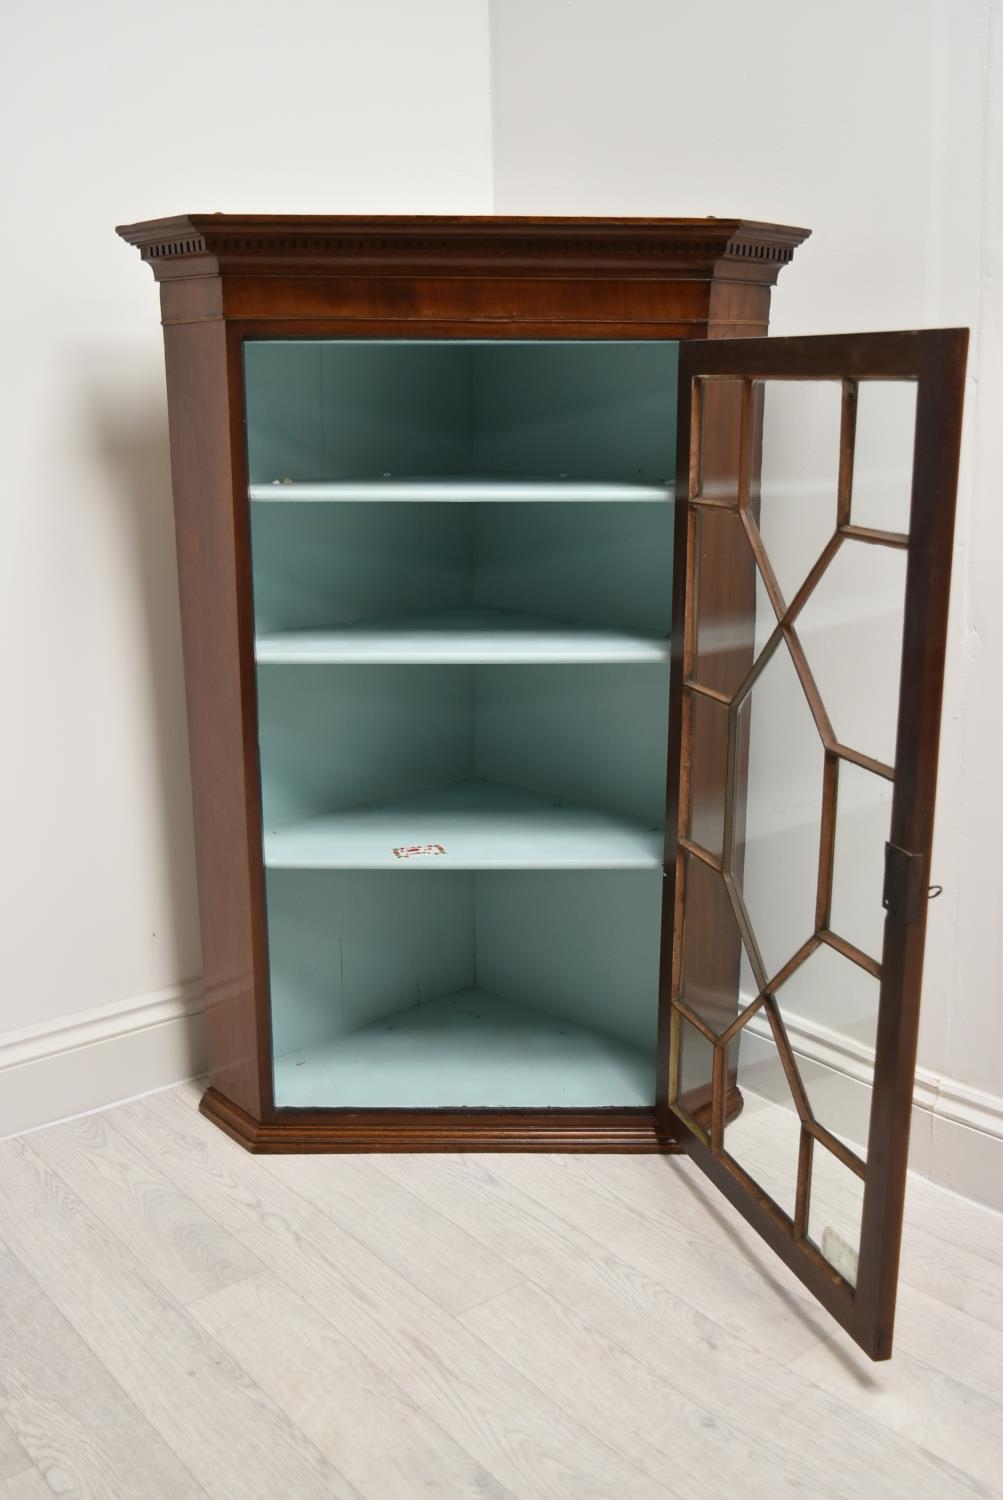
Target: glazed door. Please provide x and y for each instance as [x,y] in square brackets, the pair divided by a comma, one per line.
[815,511]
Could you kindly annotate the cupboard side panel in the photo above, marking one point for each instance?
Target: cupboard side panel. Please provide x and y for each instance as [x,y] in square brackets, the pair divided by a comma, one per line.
[205,402]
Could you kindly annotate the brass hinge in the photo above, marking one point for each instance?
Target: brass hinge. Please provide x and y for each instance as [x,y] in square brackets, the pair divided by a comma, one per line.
[903,894]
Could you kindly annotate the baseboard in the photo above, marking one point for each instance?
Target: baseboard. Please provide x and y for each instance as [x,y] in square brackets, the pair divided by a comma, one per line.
[957,1131]
[99,1057]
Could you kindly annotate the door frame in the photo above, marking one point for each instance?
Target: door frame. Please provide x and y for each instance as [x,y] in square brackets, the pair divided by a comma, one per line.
[935,360]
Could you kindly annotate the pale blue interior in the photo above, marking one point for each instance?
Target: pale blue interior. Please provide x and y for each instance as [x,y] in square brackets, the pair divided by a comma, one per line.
[447,667]
[363,409]
[473,988]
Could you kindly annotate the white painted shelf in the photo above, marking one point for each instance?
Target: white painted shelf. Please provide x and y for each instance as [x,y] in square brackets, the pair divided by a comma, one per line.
[459,636]
[467,1049]
[482,825]
[462,488]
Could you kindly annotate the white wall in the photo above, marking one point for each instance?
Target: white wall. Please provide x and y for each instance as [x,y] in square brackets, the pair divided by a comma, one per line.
[875,126]
[112,112]
[872,124]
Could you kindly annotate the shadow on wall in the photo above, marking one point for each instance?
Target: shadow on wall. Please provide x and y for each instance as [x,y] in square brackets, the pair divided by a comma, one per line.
[127,426]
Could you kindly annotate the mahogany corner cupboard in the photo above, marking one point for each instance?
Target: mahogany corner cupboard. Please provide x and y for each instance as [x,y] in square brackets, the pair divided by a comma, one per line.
[564,665]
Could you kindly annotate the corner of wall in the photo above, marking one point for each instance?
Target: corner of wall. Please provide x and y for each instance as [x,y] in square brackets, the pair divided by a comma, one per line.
[100,1057]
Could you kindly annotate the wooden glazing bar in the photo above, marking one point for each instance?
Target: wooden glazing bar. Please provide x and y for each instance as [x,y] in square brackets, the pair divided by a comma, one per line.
[876,535]
[741,1020]
[707,692]
[695,1021]
[677,946]
[713,502]
[815,572]
[765,566]
[802,1197]
[692,602]
[730,792]
[787,1059]
[855,955]
[819,711]
[675,1026]
[685,765]
[857,758]
[847,444]
[703,855]
[700,1131]
[793,964]
[758,666]
[833,1144]
[748,936]
[686,737]
[719,1090]
[827,840]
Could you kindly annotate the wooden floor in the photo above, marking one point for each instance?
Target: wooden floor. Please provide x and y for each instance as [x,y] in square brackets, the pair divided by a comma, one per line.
[180,1319]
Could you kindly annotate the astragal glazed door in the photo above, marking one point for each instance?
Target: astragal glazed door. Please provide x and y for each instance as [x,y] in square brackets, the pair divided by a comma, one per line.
[815,512]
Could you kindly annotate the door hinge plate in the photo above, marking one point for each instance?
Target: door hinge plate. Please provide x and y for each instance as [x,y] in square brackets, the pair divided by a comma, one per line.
[903,894]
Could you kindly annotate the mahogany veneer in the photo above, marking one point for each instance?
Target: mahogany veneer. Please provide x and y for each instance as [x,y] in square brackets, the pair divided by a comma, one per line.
[225,278]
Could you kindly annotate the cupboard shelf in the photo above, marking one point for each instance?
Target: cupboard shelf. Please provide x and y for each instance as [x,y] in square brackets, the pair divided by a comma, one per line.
[459,636]
[482,825]
[500,1054]
[461,489]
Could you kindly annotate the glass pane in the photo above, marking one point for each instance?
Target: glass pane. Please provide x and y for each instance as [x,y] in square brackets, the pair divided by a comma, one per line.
[725,601]
[695,1066]
[863,824]
[830,1009]
[851,631]
[777,823]
[720,437]
[711,963]
[708,759]
[882,458]
[799,474]
[835,1212]
[764,1137]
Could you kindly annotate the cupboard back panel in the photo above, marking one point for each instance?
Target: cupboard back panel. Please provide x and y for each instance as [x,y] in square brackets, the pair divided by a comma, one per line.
[356,408]
[464,990]
[608,564]
[318,565]
[582,409]
[332,410]
[335,737]
[347,948]
[582,946]
[321,565]
[425,986]
[593,734]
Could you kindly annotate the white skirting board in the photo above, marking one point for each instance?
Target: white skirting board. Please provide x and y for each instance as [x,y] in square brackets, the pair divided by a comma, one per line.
[87,1061]
[101,1057]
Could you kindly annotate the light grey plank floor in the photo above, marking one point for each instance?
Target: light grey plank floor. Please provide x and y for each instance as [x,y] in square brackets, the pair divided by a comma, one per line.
[182,1321]
[29,1485]
[13,1458]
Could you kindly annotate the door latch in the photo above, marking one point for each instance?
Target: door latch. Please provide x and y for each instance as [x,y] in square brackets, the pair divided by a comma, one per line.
[903,894]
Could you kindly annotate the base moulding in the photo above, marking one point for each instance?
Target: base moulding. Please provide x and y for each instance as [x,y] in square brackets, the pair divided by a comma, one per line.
[612,1130]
